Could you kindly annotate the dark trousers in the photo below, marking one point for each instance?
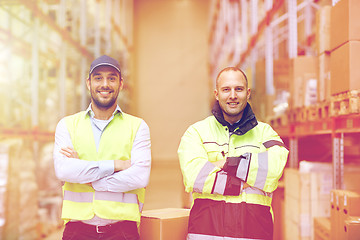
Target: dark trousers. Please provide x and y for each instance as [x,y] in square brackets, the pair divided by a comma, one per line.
[124,230]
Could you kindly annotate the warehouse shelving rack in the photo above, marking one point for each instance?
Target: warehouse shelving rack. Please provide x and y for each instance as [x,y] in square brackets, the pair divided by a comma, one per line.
[46,47]
[335,127]
[260,27]
[63,36]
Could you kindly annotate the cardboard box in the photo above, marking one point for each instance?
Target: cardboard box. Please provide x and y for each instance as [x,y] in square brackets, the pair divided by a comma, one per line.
[345,22]
[352,228]
[282,73]
[352,178]
[302,69]
[324,83]
[164,224]
[349,206]
[335,196]
[345,71]
[322,228]
[307,195]
[278,210]
[260,77]
[323,30]
[344,204]
[262,105]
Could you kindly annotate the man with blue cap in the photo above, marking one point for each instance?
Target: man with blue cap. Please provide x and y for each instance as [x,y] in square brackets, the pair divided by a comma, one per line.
[103,156]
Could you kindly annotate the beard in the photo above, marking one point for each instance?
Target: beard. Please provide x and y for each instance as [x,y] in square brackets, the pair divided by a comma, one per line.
[103,103]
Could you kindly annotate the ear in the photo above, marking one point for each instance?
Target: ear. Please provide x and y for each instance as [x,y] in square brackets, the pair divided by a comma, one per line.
[216,93]
[121,83]
[248,93]
[88,83]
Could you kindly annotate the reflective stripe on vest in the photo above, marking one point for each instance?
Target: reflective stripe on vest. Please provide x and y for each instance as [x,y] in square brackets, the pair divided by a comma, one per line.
[251,190]
[106,196]
[248,195]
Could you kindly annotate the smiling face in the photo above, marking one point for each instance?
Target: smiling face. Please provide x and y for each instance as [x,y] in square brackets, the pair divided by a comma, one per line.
[104,85]
[232,93]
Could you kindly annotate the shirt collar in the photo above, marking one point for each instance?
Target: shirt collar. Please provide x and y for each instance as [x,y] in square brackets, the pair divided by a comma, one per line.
[91,113]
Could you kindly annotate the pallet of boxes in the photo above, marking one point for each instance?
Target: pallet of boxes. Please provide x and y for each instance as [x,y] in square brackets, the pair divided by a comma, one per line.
[345,58]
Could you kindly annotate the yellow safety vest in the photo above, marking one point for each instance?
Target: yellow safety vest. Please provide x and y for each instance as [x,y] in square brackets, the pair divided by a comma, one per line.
[81,201]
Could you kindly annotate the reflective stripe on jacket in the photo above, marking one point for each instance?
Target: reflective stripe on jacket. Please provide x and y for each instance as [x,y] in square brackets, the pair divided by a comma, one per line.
[254,154]
[81,201]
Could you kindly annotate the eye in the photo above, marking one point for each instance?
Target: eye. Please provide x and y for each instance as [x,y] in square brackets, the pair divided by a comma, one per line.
[239,89]
[226,89]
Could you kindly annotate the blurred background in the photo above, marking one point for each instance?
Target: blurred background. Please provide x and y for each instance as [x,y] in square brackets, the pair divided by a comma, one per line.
[170,52]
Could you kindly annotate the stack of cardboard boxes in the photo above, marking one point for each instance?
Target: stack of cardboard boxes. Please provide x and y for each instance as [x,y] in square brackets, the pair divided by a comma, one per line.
[302,73]
[345,46]
[307,196]
[316,79]
[323,50]
[261,102]
[297,77]
[345,215]
[310,201]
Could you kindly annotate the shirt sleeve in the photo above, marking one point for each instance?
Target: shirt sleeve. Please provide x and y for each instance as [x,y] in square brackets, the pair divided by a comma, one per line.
[199,174]
[76,170]
[137,176]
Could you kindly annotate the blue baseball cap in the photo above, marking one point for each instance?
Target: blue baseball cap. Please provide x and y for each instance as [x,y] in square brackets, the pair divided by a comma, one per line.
[104,60]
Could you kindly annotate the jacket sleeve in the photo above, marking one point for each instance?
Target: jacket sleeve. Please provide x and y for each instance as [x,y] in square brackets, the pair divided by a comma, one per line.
[199,174]
[261,170]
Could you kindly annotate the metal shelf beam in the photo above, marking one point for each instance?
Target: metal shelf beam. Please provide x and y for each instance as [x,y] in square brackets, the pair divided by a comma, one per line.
[31,5]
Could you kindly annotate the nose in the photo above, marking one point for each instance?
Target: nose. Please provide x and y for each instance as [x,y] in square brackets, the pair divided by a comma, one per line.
[105,82]
[232,94]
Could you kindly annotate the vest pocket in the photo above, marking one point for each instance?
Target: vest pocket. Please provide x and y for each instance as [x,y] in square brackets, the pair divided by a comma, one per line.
[215,151]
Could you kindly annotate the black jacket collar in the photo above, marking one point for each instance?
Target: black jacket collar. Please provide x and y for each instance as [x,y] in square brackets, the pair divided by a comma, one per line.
[247,122]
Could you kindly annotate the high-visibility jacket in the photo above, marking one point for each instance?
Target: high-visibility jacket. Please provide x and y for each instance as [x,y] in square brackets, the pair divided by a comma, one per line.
[254,154]
[81,201]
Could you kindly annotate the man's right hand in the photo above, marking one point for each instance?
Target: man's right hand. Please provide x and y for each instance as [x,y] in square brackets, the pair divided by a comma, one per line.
[120,165]
[69,152]
[220,164]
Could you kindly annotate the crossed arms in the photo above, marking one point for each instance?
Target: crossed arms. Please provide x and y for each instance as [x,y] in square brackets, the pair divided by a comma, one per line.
[108,174]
